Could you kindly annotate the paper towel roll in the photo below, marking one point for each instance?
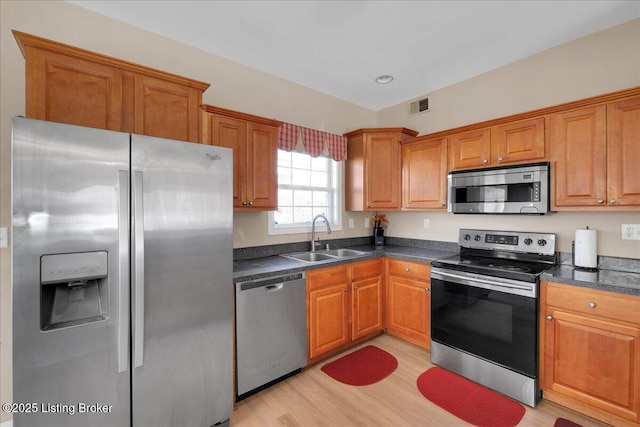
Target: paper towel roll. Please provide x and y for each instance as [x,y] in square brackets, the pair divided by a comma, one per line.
[586,248]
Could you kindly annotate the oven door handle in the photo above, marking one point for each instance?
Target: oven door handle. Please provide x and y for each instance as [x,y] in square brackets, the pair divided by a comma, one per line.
[495,283]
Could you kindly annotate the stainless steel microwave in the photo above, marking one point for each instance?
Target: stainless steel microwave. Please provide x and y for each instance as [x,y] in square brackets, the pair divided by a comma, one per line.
[517,189]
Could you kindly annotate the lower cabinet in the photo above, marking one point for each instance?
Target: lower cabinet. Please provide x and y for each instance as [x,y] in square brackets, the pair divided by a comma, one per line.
[590,352]
[409,301]
[344,304]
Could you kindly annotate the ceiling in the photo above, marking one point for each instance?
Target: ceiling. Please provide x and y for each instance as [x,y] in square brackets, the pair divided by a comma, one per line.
[340,47]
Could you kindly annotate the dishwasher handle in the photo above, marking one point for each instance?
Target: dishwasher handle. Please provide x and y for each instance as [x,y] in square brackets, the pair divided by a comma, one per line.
[271,284]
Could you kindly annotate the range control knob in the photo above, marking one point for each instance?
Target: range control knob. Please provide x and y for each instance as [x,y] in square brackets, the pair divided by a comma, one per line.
[467,237]
[542,242]
[476,238]
[528,241]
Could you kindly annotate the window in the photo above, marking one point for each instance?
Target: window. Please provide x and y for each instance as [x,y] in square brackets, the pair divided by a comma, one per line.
[307,186]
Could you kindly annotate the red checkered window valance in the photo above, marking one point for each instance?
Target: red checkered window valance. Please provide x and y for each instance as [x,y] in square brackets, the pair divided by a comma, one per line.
[314,142]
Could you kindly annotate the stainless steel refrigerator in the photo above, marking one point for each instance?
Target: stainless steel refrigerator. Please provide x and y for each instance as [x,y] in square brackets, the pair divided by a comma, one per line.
[122,279]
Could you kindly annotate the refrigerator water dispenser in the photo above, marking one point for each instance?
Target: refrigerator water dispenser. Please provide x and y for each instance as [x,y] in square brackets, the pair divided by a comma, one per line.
[73,289]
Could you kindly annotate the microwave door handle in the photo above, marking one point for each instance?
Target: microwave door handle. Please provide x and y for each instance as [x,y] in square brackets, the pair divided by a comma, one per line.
[138,273]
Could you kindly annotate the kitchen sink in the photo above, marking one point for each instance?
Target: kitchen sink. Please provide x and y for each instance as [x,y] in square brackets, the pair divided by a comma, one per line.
[343,253]
[326,255]
[310,257]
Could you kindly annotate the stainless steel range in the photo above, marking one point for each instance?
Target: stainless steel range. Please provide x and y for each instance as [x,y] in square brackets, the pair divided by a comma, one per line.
[484,309]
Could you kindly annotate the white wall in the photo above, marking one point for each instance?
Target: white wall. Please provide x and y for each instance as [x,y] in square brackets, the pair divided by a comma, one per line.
[601,63]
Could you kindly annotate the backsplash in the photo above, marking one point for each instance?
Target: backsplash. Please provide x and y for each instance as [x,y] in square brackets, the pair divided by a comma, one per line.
[604,262]
[285,248]
[631,265]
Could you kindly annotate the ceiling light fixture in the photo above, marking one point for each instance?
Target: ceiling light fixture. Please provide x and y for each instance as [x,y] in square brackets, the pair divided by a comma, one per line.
[384,79]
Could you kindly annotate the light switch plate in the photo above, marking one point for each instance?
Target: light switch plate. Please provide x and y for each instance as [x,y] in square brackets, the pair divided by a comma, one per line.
[4,237]
[630,231]
[427,224]
[350,222]
[366,223]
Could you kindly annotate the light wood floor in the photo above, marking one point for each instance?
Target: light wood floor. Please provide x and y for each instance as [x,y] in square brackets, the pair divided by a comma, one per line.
[312,398]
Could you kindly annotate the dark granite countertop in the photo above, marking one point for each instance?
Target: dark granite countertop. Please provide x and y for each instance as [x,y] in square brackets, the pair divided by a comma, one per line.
[620,275]
[623,282]
[258,268]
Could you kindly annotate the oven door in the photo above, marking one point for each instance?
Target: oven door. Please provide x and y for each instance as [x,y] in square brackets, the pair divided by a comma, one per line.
[488,317]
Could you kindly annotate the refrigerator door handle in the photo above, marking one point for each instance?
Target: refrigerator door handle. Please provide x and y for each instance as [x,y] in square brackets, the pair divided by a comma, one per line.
[138,267]
[123,269]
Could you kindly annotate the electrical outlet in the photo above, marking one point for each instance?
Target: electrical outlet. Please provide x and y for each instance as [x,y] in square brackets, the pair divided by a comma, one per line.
[366,223]
[427,224]
[350,222]
[630,231]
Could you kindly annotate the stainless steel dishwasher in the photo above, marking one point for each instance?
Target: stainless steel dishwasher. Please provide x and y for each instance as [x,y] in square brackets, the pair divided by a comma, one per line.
[271,331]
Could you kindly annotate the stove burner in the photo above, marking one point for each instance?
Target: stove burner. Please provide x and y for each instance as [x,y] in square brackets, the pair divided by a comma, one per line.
[512,268]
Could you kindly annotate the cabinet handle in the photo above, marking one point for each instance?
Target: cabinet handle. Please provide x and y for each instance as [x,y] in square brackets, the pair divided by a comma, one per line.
[426,289]
[485,161]
[244,203]
[250,203]
[407,269]
[500,159]
[355,288]
[592,304]
[346,289]
[612,201]
[442,205]
[600,201]
[549,317]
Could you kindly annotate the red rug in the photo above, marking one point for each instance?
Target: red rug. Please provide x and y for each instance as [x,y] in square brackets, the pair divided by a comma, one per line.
[469,401]
[365,366]
[562,422]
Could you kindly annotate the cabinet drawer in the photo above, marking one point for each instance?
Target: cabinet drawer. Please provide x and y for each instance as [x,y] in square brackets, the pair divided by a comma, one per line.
[327,276]
[413,270]
[593,302]
[366,269]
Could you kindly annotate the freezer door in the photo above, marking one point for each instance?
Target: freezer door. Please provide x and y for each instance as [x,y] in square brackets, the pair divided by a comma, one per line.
[70,275]
[182,287]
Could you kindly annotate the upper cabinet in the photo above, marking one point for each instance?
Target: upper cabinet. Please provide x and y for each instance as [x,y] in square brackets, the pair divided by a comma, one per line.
[424,174]
[70,85]
[373,169]
[597,152]
[514,142]
[254,141]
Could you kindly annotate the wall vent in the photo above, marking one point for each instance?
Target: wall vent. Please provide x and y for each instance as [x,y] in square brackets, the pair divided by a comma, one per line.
[420,106]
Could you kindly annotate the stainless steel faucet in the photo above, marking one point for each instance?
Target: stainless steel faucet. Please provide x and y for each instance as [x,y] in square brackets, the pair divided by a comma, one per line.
[313,230]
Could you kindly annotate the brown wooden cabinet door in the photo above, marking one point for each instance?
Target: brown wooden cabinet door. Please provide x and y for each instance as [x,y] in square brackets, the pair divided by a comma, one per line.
[409,310]
[262,166]
[579,151]
[593,361]
[520,142]
[382,171]
[471,149]
[64,89]
[424,175]
[231,133]
[366,307]
[166,110]
[255,151]
[328,318]
[623,153]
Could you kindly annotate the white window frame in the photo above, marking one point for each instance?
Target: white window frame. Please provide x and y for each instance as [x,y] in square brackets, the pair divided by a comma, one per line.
[338,200]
